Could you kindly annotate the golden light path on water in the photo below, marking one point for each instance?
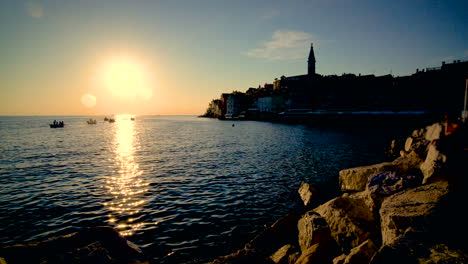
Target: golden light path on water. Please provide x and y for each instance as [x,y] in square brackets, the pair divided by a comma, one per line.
[126,187]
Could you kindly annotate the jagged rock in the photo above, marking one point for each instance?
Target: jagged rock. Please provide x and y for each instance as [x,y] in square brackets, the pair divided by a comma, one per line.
[411,208]
[388,183]
[433,164]
[313,229]
[91,245]
[433,132]
[408,164]
[315,254]
[282,254]
[350,220]
[306,192]
[408,144]
[293,257]
[340,259]
[362,253]
[418,146]
[355,179]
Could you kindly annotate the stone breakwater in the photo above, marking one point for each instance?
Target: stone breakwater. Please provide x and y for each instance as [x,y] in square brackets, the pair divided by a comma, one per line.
[409,210]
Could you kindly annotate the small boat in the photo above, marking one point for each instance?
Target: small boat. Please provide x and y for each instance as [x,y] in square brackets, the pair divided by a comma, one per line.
[57,125]
[106,119]
[91,121]
[111,120]
[133,119]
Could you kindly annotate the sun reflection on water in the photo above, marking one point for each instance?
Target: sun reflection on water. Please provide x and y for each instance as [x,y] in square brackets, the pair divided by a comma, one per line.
[127,188]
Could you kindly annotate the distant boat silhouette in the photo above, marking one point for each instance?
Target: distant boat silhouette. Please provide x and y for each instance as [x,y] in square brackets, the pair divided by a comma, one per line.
[57,125]
[106,119]
[111,120]
[91,121]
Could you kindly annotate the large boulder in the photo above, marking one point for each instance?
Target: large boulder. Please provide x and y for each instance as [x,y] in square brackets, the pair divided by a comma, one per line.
[433,164]
[350,219]
[355,179]
[313,229]
[412,208]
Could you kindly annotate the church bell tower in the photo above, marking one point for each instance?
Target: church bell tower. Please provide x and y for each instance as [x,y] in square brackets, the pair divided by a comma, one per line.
[311,62]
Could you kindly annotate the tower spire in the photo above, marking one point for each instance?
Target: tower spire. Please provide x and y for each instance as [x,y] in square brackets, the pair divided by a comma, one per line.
[311,61]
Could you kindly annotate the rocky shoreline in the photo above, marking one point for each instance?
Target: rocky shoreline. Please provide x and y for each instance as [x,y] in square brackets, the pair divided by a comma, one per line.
[409,210]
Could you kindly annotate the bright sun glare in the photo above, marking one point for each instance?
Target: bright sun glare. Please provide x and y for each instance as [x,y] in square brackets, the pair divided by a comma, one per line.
[126,78]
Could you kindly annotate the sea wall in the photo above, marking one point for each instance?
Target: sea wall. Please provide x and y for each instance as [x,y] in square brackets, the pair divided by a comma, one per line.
[410,210]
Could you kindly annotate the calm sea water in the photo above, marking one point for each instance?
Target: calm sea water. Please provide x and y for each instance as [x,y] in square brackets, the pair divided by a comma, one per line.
[185,189]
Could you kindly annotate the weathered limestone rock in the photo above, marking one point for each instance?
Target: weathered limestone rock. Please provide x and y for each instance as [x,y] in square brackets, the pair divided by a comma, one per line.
[408,144]
[306,192]
[410,209]
[387,183]
[313,229]
[281,255]
[315,254]
[433,164]
[417,145]
[362,253]
[408,164]
[340,259]
[350,220]
[355,179]
[433,132]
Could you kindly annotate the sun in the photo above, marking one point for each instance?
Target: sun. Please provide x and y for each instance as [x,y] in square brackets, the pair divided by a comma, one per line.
[125,77]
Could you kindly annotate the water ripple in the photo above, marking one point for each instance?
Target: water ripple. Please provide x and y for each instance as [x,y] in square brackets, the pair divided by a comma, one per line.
[184,189]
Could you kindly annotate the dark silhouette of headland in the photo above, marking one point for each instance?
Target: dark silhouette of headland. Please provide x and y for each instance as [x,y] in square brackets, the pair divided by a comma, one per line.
[331,99]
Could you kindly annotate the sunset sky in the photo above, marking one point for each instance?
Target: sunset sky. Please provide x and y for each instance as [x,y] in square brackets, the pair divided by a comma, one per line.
[173,57]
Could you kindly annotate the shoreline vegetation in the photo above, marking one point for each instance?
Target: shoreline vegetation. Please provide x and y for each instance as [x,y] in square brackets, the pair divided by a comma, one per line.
[409,210]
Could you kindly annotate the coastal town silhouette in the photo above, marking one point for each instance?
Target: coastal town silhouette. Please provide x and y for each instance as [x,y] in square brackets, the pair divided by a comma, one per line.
[334,99]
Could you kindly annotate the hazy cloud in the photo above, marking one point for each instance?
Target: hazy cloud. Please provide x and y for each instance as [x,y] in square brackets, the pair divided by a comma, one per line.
[34,9]
[284,45]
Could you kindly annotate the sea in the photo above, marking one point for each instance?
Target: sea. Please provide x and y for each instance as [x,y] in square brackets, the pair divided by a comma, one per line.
[184,189]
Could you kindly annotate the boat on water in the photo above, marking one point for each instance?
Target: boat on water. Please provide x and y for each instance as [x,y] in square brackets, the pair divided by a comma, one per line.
[133,119]
[106,119]
[91,121]
[111,120]
[58,124]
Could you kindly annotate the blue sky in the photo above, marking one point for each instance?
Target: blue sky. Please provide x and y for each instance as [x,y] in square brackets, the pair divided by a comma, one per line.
[196,50]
